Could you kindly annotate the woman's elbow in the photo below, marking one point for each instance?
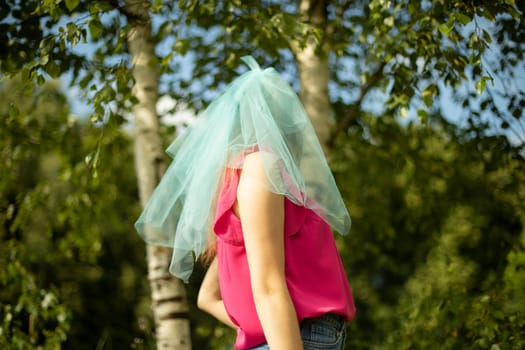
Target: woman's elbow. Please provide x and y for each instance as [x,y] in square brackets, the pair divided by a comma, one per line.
[268,290]
[206,300]
[203,301]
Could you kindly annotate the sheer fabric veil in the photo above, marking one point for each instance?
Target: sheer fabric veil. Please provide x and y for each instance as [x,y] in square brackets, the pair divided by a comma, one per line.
[258,111]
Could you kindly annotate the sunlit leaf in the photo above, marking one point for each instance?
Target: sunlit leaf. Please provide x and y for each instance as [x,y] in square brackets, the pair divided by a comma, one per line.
[72,4]
[404,112]
[95,28]
[481,84]
[462,18]
[446,28]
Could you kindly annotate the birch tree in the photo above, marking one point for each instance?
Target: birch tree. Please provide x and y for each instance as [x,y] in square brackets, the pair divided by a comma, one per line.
[168,295]
[314,71]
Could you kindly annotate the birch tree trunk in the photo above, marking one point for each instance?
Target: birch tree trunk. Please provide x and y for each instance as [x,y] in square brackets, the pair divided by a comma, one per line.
[168,295]
[314,73]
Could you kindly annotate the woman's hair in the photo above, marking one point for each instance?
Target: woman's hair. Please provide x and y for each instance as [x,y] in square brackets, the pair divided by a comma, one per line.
[210,251]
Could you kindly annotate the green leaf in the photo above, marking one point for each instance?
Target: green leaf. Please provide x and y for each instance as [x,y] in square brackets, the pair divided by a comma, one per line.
[487,37]
[72,4]
[428,94]
[389,21]
[44,59]
[446,28]
[95,28]
[52,69]
[430,90]
[462,18]
[481,84]
[13,111]
[422,115]
[514,13]
[182,46]
[40,80]
[404,112]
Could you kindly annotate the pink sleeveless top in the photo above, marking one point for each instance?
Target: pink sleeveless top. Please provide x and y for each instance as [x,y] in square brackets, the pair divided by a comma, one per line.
[314,272]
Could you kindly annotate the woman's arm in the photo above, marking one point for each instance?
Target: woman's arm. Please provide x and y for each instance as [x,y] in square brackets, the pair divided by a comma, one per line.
[209,298]
[262,217]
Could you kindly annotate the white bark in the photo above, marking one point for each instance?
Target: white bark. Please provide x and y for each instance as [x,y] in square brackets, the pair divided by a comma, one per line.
[314,74]
[168,295]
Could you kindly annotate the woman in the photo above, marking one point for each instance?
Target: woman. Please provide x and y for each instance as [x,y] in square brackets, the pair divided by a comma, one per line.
[249,185]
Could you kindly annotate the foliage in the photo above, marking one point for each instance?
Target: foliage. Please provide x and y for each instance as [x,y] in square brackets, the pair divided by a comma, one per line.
[65,227]
[439,228]
[32,317]
[410,52]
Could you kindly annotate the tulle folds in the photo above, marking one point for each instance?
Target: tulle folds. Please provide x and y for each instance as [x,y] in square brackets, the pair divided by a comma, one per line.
[260,112]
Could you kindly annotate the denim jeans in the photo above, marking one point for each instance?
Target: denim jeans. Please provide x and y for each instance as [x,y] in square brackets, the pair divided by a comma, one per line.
[327,332]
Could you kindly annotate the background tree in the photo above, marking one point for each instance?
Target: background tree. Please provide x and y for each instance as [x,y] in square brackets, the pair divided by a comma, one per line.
[167,293]
[437,221]
[71,274]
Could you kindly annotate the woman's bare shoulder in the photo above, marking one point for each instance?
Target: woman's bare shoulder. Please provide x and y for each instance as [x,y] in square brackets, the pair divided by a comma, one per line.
[253,177]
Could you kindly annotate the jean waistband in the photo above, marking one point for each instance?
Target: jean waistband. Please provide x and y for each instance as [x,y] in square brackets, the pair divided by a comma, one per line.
[330,318]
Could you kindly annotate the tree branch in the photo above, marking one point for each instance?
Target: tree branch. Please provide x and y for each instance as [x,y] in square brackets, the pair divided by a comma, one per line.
[354,108]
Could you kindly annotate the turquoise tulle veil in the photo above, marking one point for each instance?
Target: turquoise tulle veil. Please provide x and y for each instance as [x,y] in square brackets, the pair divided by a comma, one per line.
[257,111]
